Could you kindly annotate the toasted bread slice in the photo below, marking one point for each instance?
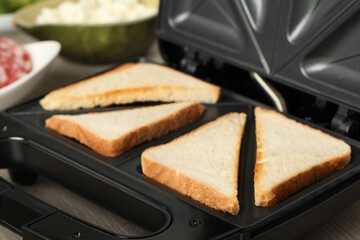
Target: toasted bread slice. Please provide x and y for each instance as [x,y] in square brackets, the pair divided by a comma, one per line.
[132,82]
[291,156]
[111,133]
[202,164]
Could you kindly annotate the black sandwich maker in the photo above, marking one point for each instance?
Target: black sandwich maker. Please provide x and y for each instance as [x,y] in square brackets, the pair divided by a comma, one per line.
[300,57]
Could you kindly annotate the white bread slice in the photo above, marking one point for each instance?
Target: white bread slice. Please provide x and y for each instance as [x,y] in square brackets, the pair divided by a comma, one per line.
[131,82]
[202,164]
[291,156]
[111,133]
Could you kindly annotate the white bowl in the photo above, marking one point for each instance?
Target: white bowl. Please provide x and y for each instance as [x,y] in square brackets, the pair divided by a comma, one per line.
[42,55]
[6,24]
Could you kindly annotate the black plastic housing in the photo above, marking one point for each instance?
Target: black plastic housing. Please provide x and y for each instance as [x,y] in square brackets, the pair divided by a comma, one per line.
[26,145]
[311,45]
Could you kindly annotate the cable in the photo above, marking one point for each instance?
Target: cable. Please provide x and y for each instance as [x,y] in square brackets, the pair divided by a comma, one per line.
[274,95]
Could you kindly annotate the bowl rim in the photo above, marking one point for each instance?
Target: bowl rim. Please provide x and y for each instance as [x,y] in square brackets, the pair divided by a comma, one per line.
[89,25]
[29,8]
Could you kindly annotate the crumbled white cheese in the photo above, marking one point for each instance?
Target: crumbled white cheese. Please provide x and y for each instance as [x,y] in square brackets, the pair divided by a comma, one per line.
[95,11]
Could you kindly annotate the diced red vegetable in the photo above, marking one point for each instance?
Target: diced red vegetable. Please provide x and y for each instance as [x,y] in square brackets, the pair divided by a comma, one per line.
[15,62]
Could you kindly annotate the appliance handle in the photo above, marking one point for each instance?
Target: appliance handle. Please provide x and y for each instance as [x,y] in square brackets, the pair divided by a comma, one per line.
[34,219]
[19,209]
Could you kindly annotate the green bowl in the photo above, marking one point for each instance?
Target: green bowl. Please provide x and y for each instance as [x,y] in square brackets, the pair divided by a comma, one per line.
[90,43]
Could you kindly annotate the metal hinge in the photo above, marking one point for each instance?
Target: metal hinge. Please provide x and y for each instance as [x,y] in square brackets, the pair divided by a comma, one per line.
[346,122]
[199,64]
[188,63]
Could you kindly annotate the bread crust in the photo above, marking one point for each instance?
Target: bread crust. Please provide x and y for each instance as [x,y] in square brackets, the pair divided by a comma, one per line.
[191,187]
[287,188]
[49,98]
[112,148]
[125,96]
[297,182]
[55,101]
[74,85]
[188,186]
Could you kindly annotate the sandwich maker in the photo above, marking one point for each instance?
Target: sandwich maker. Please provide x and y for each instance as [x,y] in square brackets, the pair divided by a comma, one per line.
[299,57]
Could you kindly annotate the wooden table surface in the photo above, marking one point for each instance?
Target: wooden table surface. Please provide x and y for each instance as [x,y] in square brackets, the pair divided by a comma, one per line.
[345,225]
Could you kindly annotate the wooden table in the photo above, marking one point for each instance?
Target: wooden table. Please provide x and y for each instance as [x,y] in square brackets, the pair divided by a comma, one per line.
[346,225]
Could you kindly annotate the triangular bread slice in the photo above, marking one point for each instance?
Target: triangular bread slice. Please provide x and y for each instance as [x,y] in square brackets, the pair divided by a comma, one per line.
[291,156]
[202,164]
[131,82]
[111,133]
